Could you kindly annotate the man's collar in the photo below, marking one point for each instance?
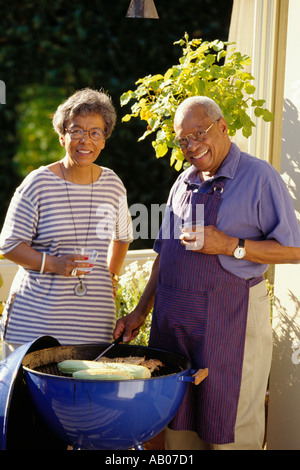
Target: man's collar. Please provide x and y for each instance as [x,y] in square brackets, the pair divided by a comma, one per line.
[227,169]
[230,163]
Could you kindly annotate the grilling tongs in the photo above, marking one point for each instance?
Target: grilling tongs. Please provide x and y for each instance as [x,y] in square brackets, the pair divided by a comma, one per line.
[116,341]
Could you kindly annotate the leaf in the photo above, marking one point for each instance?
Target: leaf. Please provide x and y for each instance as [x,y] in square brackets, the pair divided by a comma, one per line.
[178,165]
[161,150]
[220,55]
[145,135]
[258,112]
[172,160]
[216,71]
[239,84]
[267,116]
[217,45]
[180,156]
[250,89]
[202,49]
[168,75]
[247,130]
[126,97]
[126,118]
[145,114]
[153,122]
[246,61]
[258,102]
[176,155]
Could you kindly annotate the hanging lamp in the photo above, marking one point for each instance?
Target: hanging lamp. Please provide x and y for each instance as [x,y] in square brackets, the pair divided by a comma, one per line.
[142,9]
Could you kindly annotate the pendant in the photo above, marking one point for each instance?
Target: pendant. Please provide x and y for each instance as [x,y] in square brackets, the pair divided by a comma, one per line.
[80,289]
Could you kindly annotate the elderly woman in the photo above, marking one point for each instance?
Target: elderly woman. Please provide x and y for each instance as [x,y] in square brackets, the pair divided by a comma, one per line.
[68,207]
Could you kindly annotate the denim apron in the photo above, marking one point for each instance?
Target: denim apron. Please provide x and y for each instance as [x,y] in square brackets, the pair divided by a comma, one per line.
[200,311]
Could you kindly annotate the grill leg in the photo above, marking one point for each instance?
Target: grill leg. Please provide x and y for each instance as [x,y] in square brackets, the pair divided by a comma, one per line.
[139,447]
[77,447]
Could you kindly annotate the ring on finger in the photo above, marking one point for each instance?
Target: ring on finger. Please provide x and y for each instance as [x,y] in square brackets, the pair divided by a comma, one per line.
[74,272]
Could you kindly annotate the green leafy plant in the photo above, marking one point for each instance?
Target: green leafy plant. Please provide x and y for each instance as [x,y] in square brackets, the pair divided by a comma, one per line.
[205,68]
[131,286]
[37,146]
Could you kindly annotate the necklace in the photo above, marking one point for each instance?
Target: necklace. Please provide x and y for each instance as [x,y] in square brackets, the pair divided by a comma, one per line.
[80,289]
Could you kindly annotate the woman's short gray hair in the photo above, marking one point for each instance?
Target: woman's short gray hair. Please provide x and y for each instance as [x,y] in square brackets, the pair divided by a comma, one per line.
[211,108]
[84,102]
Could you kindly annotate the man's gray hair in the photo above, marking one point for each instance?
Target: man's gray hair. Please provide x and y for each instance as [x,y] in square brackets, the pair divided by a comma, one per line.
[211,108]
[84,102]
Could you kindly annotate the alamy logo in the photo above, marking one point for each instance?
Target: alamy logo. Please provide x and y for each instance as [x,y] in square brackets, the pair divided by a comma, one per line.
[162,221]
[2,92]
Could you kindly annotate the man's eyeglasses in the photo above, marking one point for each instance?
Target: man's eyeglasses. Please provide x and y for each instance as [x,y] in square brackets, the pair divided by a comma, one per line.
[198,135]
[95,133]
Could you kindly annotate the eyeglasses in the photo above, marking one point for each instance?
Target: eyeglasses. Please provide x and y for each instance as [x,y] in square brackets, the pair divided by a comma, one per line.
[94,134]
[198,135]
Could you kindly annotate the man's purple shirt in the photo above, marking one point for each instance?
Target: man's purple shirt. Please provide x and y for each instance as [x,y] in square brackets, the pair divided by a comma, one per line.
[256,206]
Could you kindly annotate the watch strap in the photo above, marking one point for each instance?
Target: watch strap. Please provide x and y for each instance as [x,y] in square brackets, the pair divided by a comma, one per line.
[241,243]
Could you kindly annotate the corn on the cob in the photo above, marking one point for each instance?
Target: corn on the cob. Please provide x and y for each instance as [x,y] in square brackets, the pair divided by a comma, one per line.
[100,374]
[138,372]
[71,366]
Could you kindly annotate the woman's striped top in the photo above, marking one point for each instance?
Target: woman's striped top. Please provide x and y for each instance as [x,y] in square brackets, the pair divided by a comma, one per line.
[40,215]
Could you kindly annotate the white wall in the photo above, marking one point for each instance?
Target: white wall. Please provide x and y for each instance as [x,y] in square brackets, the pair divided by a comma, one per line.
[284,408]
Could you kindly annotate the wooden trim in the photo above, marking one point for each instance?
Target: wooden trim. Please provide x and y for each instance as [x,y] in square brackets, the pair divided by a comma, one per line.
[279,79]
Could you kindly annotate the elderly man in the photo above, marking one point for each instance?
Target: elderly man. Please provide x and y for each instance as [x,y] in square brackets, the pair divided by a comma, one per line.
[211,303]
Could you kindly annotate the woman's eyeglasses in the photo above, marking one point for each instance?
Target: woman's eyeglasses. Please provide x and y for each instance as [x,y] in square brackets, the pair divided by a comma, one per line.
[94,134]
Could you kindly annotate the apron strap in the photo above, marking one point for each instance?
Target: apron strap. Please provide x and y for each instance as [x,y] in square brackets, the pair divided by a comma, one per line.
[256,280]
[217,187]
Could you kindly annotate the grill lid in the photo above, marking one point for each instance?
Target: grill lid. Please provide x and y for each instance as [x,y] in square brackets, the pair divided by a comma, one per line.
[20,426]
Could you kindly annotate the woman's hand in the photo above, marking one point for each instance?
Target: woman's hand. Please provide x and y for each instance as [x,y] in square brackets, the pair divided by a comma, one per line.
[26,256]
[66,265]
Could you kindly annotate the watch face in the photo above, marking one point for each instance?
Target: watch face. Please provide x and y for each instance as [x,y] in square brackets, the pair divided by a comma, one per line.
[239,252]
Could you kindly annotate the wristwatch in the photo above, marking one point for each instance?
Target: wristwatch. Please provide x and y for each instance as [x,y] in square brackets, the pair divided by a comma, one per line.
[114,276]
[240,251]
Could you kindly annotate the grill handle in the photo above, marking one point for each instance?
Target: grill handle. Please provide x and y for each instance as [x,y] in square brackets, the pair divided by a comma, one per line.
[196,376]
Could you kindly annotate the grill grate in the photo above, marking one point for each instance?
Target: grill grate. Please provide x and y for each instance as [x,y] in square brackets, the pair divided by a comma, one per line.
[45,361]
[51,369]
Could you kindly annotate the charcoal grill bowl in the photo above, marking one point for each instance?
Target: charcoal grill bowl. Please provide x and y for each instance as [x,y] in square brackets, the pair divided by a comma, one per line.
[106,415]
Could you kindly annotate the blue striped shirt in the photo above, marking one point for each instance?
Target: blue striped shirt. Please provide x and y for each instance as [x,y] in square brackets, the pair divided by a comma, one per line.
[39,215]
